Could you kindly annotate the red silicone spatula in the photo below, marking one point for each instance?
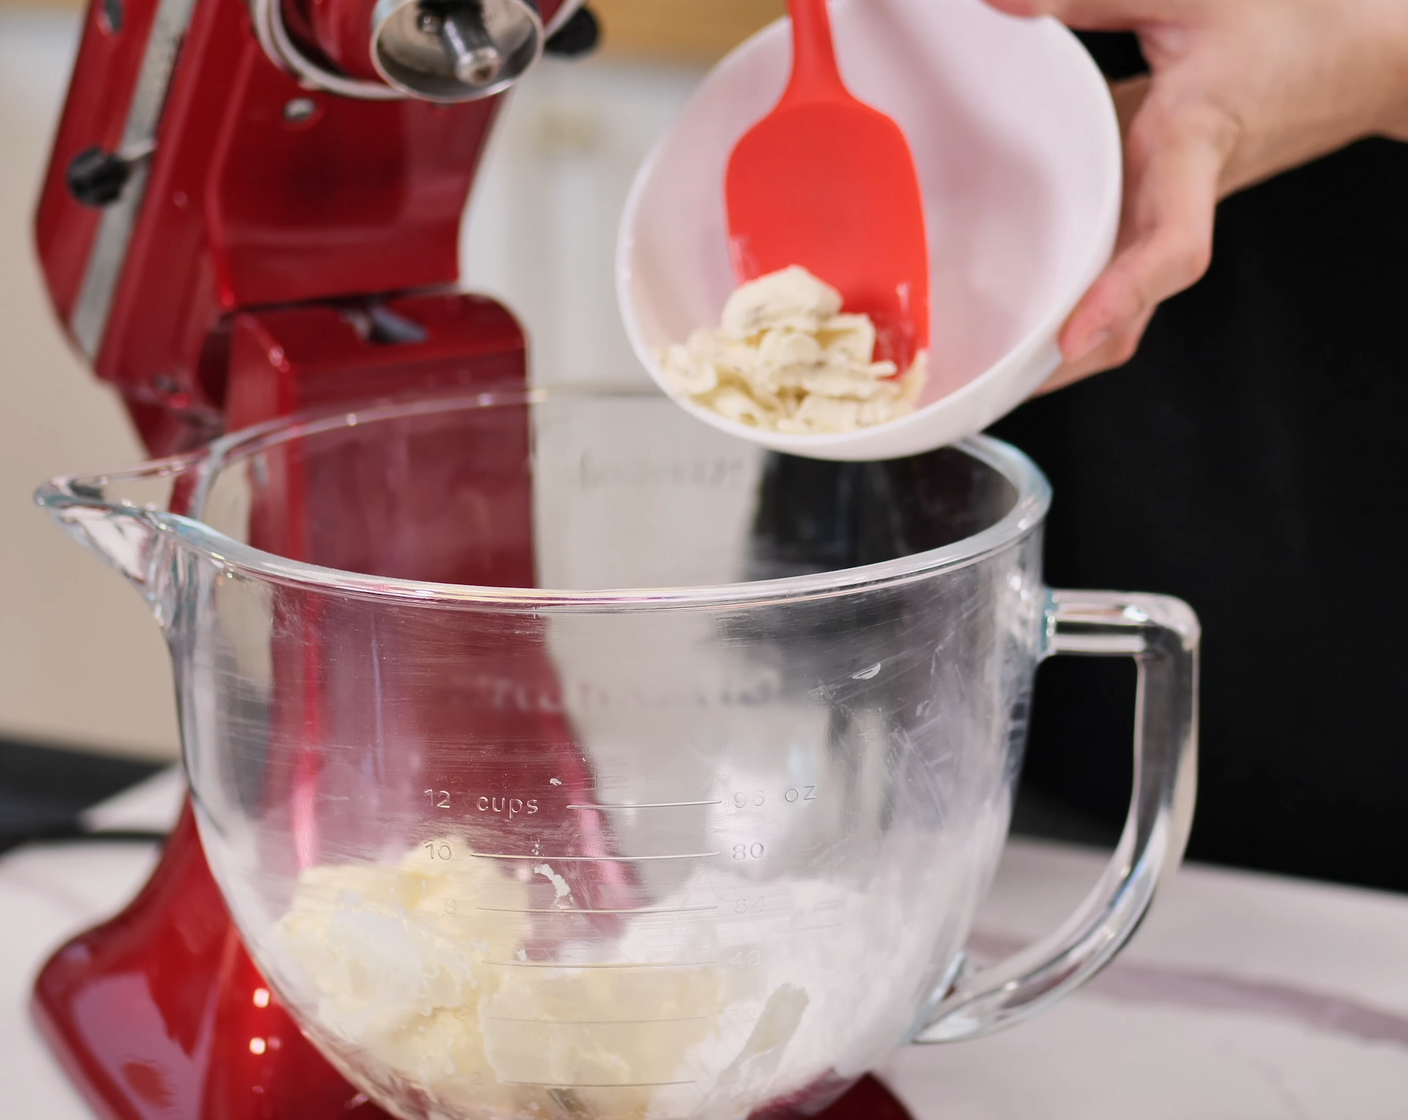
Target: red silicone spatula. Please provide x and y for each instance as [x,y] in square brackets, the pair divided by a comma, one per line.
[826,182]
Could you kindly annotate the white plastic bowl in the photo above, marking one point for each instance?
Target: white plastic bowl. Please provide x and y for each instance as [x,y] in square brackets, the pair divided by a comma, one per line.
[1019,157]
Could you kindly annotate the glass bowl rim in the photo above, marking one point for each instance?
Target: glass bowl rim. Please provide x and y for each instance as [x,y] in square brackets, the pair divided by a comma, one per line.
[1033,499]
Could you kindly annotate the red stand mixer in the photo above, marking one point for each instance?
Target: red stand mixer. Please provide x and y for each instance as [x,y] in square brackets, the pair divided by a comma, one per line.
[251,211]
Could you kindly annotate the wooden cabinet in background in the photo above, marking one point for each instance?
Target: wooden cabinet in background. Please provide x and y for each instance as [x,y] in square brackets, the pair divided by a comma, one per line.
[685,30]
[671,30]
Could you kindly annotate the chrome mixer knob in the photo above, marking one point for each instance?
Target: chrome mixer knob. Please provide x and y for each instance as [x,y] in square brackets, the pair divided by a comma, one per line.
[455,50]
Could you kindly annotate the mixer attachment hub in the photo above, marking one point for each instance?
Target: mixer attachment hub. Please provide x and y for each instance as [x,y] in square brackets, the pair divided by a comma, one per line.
[476,59]
[458,50]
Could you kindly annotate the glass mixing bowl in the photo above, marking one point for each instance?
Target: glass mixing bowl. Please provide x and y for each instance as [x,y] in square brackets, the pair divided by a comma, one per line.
[559,756]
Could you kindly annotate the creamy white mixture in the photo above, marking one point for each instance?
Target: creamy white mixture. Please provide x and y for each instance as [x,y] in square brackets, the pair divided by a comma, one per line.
[429,976]
[787,359]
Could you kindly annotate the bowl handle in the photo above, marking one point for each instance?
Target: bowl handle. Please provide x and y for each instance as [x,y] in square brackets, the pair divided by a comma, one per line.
[1162,636]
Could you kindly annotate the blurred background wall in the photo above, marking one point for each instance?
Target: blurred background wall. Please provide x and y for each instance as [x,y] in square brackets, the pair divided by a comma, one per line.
[82,665]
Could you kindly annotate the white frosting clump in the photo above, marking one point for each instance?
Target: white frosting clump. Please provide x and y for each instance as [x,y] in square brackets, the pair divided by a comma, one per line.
[787,359]
[422,980]
[453,988]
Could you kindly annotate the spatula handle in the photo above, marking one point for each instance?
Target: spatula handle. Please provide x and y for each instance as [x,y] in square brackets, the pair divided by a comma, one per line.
[814,71]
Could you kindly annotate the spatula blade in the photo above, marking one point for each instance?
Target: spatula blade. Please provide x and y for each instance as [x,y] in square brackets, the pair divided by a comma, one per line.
[832,186]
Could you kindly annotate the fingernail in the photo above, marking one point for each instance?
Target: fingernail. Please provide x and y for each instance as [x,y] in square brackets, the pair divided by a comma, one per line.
[1091,344]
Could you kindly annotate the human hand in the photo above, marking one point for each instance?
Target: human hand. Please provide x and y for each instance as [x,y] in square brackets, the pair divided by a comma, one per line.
[1239,91]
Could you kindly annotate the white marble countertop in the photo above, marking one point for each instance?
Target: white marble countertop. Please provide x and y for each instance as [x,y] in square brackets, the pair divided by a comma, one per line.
[1244,997]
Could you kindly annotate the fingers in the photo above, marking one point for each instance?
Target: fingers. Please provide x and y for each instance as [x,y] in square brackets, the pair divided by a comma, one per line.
[1129,97]
[1173,163]
[1110,354]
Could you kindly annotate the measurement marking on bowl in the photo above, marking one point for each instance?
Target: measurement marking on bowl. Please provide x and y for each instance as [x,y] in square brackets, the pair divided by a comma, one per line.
[575,910]
[652,805]
[616,964]
[592,859]
[599,1022]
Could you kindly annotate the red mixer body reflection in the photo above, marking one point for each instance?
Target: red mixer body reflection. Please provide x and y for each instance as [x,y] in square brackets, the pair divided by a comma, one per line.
[251,211]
